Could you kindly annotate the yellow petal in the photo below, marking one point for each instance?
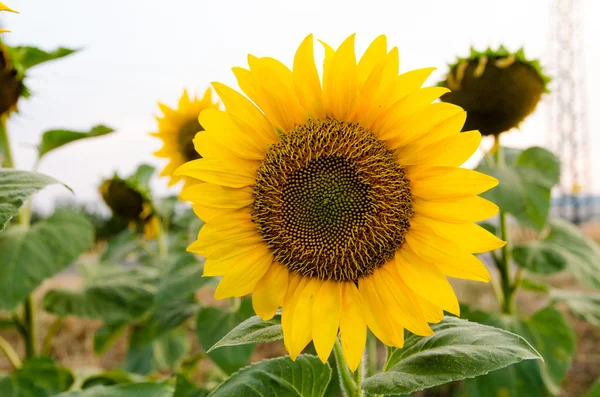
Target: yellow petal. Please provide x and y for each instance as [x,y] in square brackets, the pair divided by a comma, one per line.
[448,128]
[432,313]
[226,249]
[207,98]
[4,7]
[340,85]
[306,80]
[445,255]
[247,83]
[374,54]
[378,315]
[235,173]
[410,81]
[242,109]
[235,135]
[469,237]
[452,151]
[471,209]
[297,315]
[353,326]
[242,277]
[269,291]
[413,127]
[230,226]
[274,85]
[402,304]
[184,101]
[210,195]
[209,147]
[326,314]
[450,183]
[426,280]
[405,108]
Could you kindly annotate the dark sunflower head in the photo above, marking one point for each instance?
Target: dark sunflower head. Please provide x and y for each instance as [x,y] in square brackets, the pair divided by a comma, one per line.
[11,84]
[498,89]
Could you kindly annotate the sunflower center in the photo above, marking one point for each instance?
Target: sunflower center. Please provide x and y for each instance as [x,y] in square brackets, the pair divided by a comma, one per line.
[331,201]
[186,139]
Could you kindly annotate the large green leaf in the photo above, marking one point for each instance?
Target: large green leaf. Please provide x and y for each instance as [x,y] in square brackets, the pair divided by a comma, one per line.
[584,305]
[109,378]
[118,296]
[15,188]
[29,256]
[25,57]
[252,330]
[581,252]
[278,377]
[165,317]
[131,390]
[170,349]
[459,349]
[186,389]
[183,278]
[54,139]
[212,324]
[40,377]
[539,257]
[120,247]
[551,334]
[526,180]
[107,335]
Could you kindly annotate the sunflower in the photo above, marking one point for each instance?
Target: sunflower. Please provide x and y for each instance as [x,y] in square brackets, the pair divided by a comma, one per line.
[3,7]
[177,128]
[497,88]
[339,200]
[11,85]
[130,204]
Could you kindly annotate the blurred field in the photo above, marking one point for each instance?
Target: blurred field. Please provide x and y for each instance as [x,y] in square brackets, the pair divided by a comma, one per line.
[73,344]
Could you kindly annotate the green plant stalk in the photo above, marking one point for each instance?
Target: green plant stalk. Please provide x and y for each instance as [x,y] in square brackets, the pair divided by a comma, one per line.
[371,354]
[504,261]
[349,382]
[10,353]
[6,159]
[52,330]
[163,244]
[31,347]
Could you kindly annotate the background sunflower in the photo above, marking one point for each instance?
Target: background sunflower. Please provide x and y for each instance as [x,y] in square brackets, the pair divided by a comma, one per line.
[177,129]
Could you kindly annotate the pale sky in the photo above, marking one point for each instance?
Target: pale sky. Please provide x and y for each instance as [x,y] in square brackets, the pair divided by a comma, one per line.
[135,55]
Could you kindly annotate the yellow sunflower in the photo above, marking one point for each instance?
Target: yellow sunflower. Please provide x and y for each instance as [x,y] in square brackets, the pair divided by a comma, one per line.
[339,200]
[177,128]
[3,7]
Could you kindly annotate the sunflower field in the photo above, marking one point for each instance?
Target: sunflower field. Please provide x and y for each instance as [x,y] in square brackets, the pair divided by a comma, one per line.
[331,225]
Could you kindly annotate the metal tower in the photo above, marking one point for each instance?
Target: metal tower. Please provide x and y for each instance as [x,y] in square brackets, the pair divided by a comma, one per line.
[567,116]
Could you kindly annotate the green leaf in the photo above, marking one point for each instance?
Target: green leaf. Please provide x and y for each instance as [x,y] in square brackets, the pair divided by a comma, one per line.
[184,388]
[183,278]
[459,349]
[252,330]
[25,57]
[120,247]
[15,188]
[539,257]
[581,252]
[551,334]
[534,286]
[584,305]
[212,324]
[525,183]
[593,392]
[130,390]
[108,378]
[140,359]
[278,377]
[118,296]
[170,349]
[29,256]
[54,139]
[165,317]
[107,335]
[7,387]
[41,377]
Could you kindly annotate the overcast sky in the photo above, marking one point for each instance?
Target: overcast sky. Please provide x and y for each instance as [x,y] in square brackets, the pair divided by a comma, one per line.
[136,53]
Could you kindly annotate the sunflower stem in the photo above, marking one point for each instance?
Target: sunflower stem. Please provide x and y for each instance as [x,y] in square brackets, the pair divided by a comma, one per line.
[10,353]
[52,330]
[30,326]
[349,382]
[163,244]
[504,263]
[371,354]
[6,159]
